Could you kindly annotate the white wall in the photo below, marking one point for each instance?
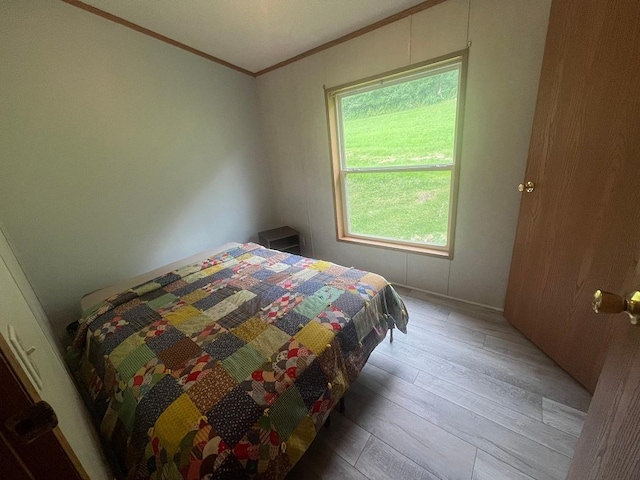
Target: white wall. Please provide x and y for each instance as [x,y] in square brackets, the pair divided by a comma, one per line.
[19,309]
[118,153]
[504,67]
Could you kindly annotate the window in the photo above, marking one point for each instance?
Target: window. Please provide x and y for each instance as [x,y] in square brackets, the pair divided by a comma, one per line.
[395,146]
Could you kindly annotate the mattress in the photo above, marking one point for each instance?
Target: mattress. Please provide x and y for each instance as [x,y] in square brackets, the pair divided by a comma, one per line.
[227,367]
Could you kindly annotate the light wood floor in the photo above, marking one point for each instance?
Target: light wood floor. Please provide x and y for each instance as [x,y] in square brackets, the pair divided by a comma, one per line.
[463,396]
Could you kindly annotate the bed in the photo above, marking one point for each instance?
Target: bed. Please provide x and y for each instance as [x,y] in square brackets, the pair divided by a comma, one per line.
[226,367]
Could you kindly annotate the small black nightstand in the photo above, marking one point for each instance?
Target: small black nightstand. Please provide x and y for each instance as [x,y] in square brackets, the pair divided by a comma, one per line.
[285,239]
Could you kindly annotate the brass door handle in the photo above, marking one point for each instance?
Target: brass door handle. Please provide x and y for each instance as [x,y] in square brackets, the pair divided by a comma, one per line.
[527,187]
[607,302]
[33,422]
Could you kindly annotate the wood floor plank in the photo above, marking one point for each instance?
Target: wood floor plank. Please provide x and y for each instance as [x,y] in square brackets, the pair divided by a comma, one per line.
[537,431]
[488,467]
[512,448]
[434,449]
[345,437]
[446,329]
[517,351]
[380,461]
[484,325]
[521,339]
[427,308]
[503,393]
[451,305]
[395,367]
[562,417]
[416,348]
[320,461]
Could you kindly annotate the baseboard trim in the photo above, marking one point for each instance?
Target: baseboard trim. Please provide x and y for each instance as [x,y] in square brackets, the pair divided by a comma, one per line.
[449,297]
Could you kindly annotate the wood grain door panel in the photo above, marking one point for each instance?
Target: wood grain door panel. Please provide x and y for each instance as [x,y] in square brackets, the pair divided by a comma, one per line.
[578,231]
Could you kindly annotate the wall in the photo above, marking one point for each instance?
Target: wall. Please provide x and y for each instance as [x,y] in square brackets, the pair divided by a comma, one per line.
[504,67]
[118,153]
[19,308]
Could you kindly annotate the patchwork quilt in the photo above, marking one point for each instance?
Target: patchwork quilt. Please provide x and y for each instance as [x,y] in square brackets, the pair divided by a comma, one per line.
[227,368]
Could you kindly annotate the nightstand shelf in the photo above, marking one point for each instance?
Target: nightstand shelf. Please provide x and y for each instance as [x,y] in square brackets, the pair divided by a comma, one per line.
[285,239]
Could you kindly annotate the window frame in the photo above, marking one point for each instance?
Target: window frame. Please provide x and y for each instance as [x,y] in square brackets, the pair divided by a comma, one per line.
[340,171]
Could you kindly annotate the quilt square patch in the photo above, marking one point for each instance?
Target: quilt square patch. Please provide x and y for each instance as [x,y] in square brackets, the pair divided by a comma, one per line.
[173,286]
[163,341]
[134,361]
[292,359]
[354,273]
[109,327]
[287,412]
[312,384]
[234,415]
[156,401]
[208,334]
[220,310]
[367,292]
[376,281]
[348,338]
[269,341]
[244,361]
[161,300]
[262,274]
[349,303]
[278,267]
[146,377]
[234,319]
[281,306]
[167,279]
[290,283]
[240,297]
[300,439]
[125,348]
[309,287]
[194,325]
[258,448]
[245,282]
[181,315]
[194,296]
[141,316]
[271,295]
[120,309]
[153,330]
[292,322]
[314,336]
[224,346]
[335,270]
[321,409]
[320,265]
[210,300]
[250,329]
[332,318]
[209,389]
[179,352]
[292,259]
[175,422]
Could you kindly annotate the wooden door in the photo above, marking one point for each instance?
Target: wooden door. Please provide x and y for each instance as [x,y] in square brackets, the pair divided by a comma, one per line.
[48,456]
[579,230]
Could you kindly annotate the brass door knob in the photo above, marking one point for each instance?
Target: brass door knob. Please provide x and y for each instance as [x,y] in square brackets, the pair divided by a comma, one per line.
[607,302]
[527,187]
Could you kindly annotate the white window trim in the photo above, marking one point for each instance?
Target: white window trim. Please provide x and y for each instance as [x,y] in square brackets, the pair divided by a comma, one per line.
[340,171]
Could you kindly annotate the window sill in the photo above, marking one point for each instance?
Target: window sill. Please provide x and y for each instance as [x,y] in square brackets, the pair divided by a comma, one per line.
[398,247]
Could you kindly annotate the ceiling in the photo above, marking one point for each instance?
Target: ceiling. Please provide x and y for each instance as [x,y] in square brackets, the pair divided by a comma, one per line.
[253,34]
